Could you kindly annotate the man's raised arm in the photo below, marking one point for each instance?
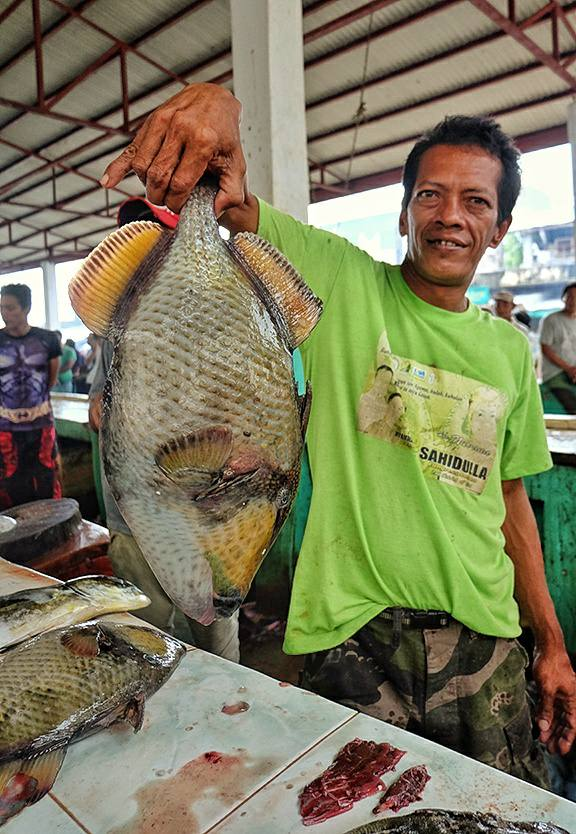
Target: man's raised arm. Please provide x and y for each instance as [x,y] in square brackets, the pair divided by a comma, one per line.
[195,131]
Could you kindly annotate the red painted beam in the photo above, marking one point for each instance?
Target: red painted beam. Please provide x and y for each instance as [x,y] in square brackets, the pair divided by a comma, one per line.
[515,32]
[454,92]
[9,9]
[346,19]
[60,117]
[37,25]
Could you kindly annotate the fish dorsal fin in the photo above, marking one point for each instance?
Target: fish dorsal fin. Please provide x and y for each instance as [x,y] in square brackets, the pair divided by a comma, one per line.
[297,303]
[83,642]
[100,282]
[25,781]
[194,458]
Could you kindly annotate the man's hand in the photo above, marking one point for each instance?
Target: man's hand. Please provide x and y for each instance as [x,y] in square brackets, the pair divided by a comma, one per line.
[556,715]
[571,371]
[197,130]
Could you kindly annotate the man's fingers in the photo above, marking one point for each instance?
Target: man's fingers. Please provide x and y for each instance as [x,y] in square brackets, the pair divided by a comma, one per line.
[184,178]
[119,167]
[545,717]
[232,192]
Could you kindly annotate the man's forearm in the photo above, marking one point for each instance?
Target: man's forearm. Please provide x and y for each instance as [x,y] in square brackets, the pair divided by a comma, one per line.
[524,549]
[553,357]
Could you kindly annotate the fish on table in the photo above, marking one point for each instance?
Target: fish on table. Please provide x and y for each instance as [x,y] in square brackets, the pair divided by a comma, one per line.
[202,425]
[439,821]
[28,612]
[62,685]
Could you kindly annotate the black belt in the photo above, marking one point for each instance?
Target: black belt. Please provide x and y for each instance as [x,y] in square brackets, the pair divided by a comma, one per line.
[412,618]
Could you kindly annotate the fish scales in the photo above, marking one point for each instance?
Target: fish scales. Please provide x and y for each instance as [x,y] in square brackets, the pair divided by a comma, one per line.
[61,685]
[440,821]
[202,427]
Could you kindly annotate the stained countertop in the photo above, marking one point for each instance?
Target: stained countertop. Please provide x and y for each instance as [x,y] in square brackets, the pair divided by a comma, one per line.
[225,749]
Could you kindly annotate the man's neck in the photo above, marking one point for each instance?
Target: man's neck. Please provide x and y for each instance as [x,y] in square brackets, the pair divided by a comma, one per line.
[448,298]
[19,330]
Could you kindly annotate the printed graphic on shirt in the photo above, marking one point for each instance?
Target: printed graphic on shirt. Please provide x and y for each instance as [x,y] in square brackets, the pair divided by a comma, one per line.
[449,421]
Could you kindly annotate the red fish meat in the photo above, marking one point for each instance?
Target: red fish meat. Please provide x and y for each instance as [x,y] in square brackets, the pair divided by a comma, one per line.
[353,775]
[406,789]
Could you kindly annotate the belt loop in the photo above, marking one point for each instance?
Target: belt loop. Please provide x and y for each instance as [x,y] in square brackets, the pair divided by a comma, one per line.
[396,627]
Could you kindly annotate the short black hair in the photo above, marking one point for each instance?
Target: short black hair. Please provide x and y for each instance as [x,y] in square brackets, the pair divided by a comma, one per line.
[476,131]
[567,288]
[21,292]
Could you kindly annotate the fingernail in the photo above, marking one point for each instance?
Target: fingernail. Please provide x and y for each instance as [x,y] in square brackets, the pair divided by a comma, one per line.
[104,180]
[543,724]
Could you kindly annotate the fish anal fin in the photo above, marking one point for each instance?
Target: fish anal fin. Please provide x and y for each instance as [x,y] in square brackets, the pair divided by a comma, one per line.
[82,642]
[194,459]
[24,781]
[298,305]
[97,287]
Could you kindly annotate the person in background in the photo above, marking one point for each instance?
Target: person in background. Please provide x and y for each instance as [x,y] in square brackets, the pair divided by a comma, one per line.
[95,343]
[419,558]
[65,381]
[504,307]
[558,343]
[29,362]
[221,637]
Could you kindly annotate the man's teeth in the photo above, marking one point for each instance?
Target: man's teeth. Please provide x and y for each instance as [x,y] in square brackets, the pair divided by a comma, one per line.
[446,244]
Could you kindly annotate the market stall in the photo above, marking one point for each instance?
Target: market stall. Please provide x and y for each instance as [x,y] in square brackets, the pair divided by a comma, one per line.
[225,749]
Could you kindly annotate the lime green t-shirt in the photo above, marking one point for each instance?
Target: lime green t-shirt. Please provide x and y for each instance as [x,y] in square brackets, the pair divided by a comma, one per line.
[417,416]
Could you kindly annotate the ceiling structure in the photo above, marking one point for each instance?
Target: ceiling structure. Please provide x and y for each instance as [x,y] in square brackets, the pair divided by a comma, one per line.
[78,78]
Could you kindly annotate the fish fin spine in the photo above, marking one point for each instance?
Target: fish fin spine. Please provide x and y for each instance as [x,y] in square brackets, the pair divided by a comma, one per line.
[96,289]
[298,305]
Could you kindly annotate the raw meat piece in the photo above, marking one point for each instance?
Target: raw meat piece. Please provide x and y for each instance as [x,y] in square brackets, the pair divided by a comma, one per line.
[353,775]
[408,788]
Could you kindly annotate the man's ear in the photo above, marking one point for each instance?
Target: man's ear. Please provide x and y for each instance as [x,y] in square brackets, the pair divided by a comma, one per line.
[403,223]
[501,230]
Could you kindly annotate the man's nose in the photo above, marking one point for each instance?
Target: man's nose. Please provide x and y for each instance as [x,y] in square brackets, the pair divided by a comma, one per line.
[449,211]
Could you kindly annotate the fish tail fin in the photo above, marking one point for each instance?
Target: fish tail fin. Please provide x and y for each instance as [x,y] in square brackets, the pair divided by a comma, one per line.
[97,287]
[24,781]
[289,293]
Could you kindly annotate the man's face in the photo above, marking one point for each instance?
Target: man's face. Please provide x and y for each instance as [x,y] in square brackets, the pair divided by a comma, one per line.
[504,309]
[13,315]
[452,216]
[570,302]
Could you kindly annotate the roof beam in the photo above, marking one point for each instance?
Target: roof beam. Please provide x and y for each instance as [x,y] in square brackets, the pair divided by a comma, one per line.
[454,92]
[517,33]
[415,136]
[60,117]
[346,19]
[9,9]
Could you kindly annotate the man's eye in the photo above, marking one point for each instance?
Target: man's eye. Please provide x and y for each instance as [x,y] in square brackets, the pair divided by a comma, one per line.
[479,201]
[426,194]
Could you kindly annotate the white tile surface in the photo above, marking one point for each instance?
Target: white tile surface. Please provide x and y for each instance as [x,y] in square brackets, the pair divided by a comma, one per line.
[456,783]
[160,781]
[43,818]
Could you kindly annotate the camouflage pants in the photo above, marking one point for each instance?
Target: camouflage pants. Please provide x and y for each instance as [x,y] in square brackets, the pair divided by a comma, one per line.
[456,687]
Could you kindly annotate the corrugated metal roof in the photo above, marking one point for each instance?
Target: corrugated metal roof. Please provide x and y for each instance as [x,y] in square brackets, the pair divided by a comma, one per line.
[424,59]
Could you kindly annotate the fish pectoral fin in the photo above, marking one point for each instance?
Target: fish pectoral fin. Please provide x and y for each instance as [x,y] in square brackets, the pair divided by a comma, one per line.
[85,642]
[134,713]
[25,781]
[299,307]
[195,459]
[102,279]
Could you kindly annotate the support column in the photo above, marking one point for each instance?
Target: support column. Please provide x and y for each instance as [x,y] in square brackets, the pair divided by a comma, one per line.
[50,296]
[571,123]
[268,63]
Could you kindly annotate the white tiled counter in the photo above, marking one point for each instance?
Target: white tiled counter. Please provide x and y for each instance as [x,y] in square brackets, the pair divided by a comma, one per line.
[225,749]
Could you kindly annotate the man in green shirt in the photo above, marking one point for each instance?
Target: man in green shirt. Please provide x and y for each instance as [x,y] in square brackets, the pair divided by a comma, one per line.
[421,551]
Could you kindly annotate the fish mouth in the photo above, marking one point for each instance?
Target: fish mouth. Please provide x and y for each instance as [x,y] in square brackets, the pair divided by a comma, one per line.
[226,605]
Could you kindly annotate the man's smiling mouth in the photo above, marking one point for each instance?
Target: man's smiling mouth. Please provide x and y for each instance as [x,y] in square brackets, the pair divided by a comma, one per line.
[443,243]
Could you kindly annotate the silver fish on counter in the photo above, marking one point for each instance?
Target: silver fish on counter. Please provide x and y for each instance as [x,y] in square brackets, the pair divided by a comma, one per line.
[202,425]
[438,821]
[62,685]
[29,612]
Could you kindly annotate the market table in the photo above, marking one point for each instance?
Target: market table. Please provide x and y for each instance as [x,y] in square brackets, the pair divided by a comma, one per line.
[194,768]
